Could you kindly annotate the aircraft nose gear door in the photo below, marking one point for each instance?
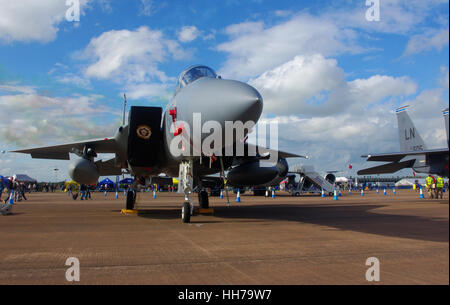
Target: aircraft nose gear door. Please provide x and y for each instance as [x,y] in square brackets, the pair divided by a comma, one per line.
[185,186]
[144,136]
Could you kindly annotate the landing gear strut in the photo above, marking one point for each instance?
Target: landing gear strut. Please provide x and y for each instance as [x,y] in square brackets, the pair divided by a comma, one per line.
[185,186]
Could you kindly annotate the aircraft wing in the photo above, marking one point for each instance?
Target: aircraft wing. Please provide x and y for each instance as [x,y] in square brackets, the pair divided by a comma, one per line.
[61,152]
[396,157]
[268,151]
[386,168]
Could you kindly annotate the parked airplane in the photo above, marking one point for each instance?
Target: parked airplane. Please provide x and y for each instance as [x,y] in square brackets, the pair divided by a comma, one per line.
[145,146]
[414,153]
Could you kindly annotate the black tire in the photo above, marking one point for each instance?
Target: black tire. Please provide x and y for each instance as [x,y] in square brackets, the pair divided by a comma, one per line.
[131,198]
[186,212]
[297,194]
[203,199]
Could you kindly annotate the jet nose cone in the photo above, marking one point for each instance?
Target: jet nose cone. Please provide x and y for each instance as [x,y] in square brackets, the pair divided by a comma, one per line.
[245,102]
[228,100]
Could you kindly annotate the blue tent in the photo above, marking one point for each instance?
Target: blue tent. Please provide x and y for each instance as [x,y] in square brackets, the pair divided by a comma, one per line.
[126,181]
[108,182]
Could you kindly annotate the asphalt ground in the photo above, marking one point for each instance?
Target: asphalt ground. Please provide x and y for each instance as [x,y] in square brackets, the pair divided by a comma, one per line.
[286,240]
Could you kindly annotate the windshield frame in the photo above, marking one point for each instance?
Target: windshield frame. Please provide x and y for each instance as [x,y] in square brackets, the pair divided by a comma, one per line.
[183,81]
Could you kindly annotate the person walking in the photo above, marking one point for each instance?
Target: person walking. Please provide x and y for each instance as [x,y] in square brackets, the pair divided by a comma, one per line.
[88,192]
[83,191]
[10,187]
[21,190]
[439,187]
[429,181]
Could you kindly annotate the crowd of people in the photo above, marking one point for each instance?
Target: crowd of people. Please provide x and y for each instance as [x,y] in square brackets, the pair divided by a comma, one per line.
[11,185]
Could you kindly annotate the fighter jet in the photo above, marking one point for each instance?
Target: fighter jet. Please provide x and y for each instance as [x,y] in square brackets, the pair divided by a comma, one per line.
[414,153]
[154,141]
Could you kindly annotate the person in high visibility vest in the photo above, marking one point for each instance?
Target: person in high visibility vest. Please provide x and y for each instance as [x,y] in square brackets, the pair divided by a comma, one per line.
[429,183]
[439,187]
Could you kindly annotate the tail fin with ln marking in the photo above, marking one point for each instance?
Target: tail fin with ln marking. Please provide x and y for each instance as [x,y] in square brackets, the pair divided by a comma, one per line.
[409,137]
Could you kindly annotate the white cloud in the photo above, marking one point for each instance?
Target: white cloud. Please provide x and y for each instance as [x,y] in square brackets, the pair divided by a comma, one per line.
[254,49]
[147,7]
[31,20]
[131,56]
[74,80]
[149,91]
[105,5]
[333,120]
[16,89]
[315,85]
[32,119]
[282,13]
[188,34]
[396,16]
[432,39]
[444,80]
[366,92]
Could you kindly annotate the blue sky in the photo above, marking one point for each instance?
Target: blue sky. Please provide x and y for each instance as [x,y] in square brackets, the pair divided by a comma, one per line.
[329,76]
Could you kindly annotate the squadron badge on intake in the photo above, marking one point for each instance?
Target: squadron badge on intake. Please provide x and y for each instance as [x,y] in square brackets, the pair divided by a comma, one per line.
[144,132]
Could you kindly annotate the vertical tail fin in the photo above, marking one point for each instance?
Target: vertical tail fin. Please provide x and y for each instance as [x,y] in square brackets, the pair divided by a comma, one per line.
[409,137]
[445,113]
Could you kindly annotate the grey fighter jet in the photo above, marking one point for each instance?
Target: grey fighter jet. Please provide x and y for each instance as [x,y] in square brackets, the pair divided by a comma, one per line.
[145,146]
[414,153]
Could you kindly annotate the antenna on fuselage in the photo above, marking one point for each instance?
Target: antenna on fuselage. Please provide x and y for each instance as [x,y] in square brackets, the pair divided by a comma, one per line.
[124,108]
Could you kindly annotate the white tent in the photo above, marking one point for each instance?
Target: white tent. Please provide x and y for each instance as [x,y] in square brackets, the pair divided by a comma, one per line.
[409,182]
[341,180]
[24,178]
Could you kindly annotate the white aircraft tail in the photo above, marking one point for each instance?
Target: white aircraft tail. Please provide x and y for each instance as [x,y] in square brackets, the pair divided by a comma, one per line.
[409,137]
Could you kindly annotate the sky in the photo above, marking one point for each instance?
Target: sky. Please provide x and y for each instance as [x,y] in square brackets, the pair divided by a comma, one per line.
[329,74]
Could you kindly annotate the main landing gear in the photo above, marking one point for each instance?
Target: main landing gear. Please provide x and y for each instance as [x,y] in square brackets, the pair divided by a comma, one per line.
[186,212]
[131,199]
[203,199]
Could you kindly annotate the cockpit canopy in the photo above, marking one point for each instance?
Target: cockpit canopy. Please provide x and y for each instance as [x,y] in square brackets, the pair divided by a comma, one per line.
[193,73]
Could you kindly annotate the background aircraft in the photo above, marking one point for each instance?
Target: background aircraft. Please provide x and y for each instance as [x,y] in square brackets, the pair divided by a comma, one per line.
[142,147]
[414,153]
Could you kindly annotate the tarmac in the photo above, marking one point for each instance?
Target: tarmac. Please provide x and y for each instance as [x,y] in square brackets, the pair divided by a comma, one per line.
[285,240]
